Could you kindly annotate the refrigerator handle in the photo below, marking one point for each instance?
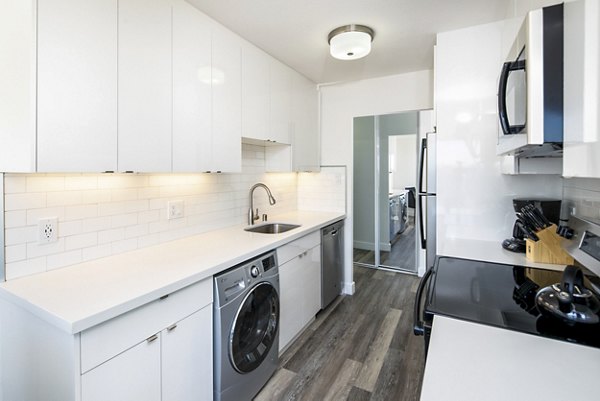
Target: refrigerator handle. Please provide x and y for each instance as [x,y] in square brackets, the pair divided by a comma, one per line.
[421,225]
[422,164]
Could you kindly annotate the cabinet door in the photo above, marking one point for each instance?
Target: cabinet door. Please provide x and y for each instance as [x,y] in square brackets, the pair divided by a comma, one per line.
[311,283]
[133,375]
[77,86]
[17,85]
[145,87]
[255,93]
[280,102]
[226,101]
[290,299]
[187,358]
[191,89]
[306,155]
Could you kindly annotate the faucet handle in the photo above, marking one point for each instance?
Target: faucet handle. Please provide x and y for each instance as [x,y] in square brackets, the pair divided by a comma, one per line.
[256,215]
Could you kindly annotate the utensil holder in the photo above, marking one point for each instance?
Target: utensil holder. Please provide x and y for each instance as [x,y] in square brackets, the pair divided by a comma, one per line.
[547,249]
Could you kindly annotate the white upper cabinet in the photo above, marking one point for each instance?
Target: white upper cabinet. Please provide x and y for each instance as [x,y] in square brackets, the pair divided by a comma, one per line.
[17,85]
[192,80]
[77,85]
[305,133]
[582,89]
[280,102]
[255,93]
[226,101]
[145,86]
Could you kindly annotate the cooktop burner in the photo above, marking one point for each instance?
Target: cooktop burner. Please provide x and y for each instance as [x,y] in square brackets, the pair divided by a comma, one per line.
[503,296]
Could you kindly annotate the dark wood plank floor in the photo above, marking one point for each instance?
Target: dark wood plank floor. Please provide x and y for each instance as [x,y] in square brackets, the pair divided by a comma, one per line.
[360,348]
[401,255]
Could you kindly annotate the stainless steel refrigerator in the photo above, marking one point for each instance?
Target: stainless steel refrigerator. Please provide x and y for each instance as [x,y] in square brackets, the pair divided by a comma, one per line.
[426,197]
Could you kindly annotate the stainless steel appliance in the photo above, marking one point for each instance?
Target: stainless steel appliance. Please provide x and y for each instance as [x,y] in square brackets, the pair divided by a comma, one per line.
[426,197]
[246,328]
[398,214]
[530,89]
[332,262]
[506,296]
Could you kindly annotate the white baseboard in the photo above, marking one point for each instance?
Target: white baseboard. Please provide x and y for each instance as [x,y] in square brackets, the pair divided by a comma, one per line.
[349,288]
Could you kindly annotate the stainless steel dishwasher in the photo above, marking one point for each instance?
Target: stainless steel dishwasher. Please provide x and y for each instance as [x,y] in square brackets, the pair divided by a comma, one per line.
[332,262]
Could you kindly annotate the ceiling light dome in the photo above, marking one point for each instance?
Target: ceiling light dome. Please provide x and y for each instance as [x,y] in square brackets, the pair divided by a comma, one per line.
[350,42]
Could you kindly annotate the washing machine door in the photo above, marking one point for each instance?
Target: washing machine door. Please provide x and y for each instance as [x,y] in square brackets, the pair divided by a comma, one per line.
[254,329]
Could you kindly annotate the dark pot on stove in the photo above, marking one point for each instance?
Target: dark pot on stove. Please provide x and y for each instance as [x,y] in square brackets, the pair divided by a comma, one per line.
[569,301]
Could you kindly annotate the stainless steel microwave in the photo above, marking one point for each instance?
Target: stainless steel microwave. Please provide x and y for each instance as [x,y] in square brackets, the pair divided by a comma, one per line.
[530,87]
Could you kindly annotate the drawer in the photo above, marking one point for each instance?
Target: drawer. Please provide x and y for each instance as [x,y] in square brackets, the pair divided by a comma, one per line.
[116,335]
[289,251]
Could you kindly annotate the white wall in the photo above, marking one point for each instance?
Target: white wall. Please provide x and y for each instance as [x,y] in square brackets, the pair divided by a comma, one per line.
[405,156]
[474,199]
[342,102]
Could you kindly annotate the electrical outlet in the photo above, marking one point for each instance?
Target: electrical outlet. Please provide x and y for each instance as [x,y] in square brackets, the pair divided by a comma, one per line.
[174,209]
[47,230]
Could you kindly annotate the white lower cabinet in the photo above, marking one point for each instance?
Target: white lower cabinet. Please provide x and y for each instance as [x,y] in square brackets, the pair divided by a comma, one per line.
[187,358]
[160,351]
[299,286]
[172,365]
[131,376]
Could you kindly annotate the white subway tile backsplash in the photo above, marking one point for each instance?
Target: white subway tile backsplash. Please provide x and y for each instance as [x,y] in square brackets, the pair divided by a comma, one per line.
[14,253]
[106,236]
[33,215]
[24,201]
[123,220]
[81,182]
[15,184]
[78,212]
[81,241]
[45,184]
[20,235]
[64,259]
[35,250]
[68,228]
[63,198]
[95,224]
[104,214]
[25,268]
[96,252]
[16,218]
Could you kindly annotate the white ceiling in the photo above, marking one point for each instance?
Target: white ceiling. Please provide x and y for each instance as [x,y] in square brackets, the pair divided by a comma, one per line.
[295,31]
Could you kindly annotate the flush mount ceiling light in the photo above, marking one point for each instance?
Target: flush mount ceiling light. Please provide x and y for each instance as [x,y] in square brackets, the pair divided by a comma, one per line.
[350,42]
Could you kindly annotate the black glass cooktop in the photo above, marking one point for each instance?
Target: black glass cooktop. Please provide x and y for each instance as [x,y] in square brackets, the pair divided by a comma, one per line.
[503,296]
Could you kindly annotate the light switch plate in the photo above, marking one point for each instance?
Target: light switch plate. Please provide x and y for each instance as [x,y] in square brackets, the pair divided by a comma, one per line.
[174,209]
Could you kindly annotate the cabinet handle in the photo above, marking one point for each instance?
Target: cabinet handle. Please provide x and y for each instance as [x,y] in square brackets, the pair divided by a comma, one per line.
[171,328]
[152,338]
[164,297]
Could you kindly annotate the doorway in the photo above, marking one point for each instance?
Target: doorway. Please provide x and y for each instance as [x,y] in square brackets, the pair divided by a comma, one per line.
[385,176]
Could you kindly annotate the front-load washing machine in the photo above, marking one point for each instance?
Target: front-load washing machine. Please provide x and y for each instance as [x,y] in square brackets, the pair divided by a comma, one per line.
[246,328]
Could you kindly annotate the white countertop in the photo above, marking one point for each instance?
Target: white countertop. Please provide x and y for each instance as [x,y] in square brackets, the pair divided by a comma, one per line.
[473,362]
[81,296]
[490,251]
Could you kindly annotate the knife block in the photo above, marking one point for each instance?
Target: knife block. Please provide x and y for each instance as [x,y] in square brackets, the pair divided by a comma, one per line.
[547,249]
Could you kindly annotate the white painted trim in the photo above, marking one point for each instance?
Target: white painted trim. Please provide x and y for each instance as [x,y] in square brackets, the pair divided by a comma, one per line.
[349,288]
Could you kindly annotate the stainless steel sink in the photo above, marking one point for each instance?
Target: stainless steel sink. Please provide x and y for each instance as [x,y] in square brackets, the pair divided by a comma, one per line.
[271,228]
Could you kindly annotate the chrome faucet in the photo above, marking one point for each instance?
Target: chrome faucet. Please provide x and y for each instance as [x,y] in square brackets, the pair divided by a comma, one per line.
[252,217]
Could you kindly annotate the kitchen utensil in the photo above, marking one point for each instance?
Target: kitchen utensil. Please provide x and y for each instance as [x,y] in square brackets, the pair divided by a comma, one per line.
[569,301]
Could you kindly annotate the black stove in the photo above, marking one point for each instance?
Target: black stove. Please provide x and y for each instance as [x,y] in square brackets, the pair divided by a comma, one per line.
[498,295]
